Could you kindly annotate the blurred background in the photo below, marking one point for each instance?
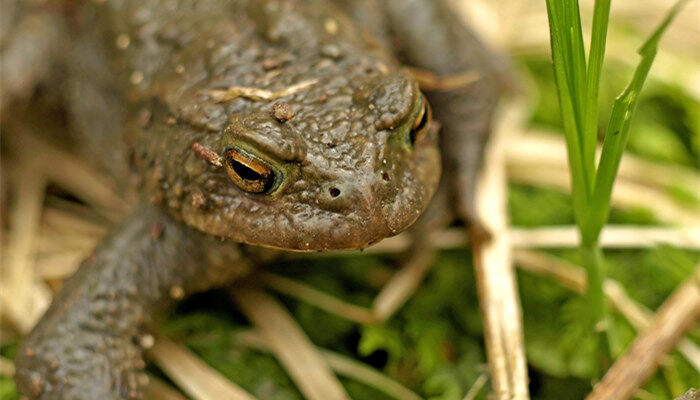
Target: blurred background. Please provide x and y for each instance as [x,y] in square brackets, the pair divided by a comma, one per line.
[55,211]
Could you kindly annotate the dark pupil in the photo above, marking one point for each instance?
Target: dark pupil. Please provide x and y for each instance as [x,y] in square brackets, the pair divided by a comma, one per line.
[246,173]
[250,175]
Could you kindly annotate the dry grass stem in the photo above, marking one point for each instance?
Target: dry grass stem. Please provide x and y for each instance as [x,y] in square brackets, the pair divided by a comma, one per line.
[71,221]
[443,239]
[619,237]
[23,298]
[344,366]
[430,82]
[159,390]
[52,242]
[198,380]
[67,236]
[498,294]
[358,371]
[561,236]
[625,195]
[548,149]
[678,315]
[476,387]
[290,345]
[574,277]
[691,352]
[404,283]
[318,298]
[73,175]
[253,93]
[393,295]
[538,158]
[59,265]
[449,238]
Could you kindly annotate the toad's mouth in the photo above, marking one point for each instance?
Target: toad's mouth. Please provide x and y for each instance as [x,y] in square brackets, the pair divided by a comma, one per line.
[327,231]
[314,230]
[331,232]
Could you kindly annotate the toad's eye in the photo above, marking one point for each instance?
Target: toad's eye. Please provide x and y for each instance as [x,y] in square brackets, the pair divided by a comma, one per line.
[248,173]
[420,122]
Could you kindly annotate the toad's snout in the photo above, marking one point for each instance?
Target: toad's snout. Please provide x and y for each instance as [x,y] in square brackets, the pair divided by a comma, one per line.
[370,212]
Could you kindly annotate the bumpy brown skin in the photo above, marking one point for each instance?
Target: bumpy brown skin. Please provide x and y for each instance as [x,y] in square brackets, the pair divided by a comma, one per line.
[347,174]
[87,345]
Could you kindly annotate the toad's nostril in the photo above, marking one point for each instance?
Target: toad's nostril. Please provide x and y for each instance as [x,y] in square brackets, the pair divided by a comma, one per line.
[338,196]
[347,197]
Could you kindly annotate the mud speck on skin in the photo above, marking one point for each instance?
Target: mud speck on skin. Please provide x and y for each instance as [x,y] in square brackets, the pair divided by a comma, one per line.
[281,111]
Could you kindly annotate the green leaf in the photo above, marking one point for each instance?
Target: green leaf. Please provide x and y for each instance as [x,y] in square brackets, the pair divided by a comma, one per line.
[601,16]
[563,74]
[7,389]
[381,337]
[618,133]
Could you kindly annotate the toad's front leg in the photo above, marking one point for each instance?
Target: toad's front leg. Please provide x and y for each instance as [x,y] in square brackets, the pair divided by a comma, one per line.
[88,344]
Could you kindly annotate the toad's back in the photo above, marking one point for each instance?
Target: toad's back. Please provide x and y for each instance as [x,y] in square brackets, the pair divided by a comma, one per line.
[176,51]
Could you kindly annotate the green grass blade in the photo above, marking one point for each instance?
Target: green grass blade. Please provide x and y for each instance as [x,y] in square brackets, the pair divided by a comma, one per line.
[618,132]
[575,55]
[560,50]
[562,30]
[578,78]
[601,16]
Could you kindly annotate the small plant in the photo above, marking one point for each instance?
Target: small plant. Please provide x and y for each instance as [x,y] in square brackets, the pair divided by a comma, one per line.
[578,80]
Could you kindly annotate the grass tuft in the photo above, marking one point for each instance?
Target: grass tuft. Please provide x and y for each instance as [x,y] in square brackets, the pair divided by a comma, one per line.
[578,83]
